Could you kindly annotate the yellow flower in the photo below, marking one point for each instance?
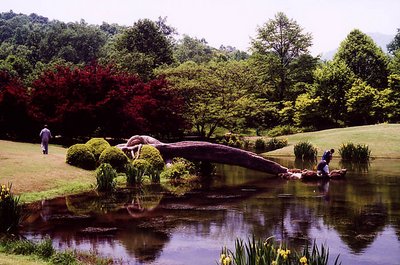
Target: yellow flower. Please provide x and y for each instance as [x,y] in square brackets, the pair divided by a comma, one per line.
[273,262]
[303,260]
[221,258]
[227,261]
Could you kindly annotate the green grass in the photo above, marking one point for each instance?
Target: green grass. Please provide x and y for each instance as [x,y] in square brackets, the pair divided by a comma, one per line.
[10,259]
[383,140]
[36,176]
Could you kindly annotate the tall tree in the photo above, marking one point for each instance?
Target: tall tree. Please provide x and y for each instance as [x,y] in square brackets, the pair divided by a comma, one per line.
[367,61]
[140,49]
[279,42]
[394,45]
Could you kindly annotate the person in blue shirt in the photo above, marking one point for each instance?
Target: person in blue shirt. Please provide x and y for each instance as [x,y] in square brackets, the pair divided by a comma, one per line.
[327,156]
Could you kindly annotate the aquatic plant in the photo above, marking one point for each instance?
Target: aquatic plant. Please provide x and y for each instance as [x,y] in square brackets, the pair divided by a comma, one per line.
[105,175]
[354,152]
[136,171]
[268,252]
[305,150]
[10,209]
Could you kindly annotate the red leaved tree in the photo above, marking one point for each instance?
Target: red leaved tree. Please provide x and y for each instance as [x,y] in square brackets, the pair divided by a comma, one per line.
[81,101]
[14,120]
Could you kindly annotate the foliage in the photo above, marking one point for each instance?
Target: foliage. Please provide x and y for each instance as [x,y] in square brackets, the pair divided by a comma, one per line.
[79,155]
[283,130]
[394,45]
[97,146]
[64,258]
[43,249]
[332,80]
[279,42]
[175,172]
[105,100]
[268,252]
[365,59]
[354,152]
[216,94]
[270,145]
[360,103]
[105,175]
[136,171]
[140,48]
[153,156]
[308,111]
[233,140]
[259,144]
[13,107]
[305,150]
[115,157]
[10,209]
[192,49]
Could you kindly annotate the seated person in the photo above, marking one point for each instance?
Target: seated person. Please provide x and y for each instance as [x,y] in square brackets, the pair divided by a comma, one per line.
[323,169]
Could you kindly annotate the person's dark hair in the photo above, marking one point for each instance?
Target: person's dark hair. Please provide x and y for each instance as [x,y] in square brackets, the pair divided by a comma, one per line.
[332,150]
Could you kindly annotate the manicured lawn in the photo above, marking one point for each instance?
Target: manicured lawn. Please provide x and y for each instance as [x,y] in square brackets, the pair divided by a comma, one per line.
[383,140]
[9,259]
[37,176]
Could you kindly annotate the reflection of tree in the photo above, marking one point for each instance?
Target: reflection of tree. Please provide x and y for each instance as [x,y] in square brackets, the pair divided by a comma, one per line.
[356,167]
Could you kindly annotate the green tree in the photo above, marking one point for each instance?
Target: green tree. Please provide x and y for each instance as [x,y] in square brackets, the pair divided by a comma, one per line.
[279,42]
[332,80]
[394,65]
[367,61]
[308,110]
[192,49]
[394,45]
[361,103]
[217,94]
[140,49]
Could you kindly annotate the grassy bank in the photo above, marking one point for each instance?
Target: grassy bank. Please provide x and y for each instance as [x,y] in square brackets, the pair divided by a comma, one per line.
[383,140]
[36,176]
[10,259]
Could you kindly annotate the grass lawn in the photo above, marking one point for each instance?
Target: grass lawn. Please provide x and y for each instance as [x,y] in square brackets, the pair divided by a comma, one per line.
[383,140]
[36,176]
[9,259]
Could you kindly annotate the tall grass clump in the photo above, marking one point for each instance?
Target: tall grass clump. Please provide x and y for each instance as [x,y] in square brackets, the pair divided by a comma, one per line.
[305,151]
[10,209]
[354,152]
[136,171]
[105,175]
[267,252]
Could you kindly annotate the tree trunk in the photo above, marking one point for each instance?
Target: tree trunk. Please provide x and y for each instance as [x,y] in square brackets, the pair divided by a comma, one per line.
[217,153]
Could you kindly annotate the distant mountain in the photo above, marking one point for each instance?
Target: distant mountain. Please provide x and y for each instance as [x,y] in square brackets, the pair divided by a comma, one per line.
[382,40]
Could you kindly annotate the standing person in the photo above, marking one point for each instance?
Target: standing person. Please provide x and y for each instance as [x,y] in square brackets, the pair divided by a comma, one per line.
[45,136]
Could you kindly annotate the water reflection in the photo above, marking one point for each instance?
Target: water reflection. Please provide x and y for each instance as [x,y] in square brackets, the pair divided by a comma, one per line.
[357,217]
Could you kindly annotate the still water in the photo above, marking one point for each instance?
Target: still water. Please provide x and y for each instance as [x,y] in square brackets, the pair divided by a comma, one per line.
[358,218]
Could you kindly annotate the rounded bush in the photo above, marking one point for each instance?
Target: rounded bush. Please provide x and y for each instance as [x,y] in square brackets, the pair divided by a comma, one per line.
[97,146]
[136,171]
[115,157]
[259,144]
[79,155]
[153,156]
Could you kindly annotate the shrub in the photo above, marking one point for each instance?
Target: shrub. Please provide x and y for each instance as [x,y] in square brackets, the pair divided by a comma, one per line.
[153,156]
[64,258]
[10,210]
[259,144]
[283,130]
[305,150]
[175,171]
[105,175]
[233,140]
[79,155]
[44,249]
[351,152]
[275,143]
[97,146]
[136,171]
[114,156]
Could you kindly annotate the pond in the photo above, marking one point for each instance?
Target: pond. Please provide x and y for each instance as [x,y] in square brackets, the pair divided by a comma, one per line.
[358,218]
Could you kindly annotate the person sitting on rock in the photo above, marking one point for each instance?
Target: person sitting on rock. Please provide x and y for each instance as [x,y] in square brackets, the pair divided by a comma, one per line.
[323,169]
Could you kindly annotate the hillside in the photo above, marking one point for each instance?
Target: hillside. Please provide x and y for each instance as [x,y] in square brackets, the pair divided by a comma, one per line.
[383,140]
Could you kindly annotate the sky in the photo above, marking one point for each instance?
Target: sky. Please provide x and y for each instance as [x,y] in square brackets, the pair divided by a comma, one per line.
[228,22]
